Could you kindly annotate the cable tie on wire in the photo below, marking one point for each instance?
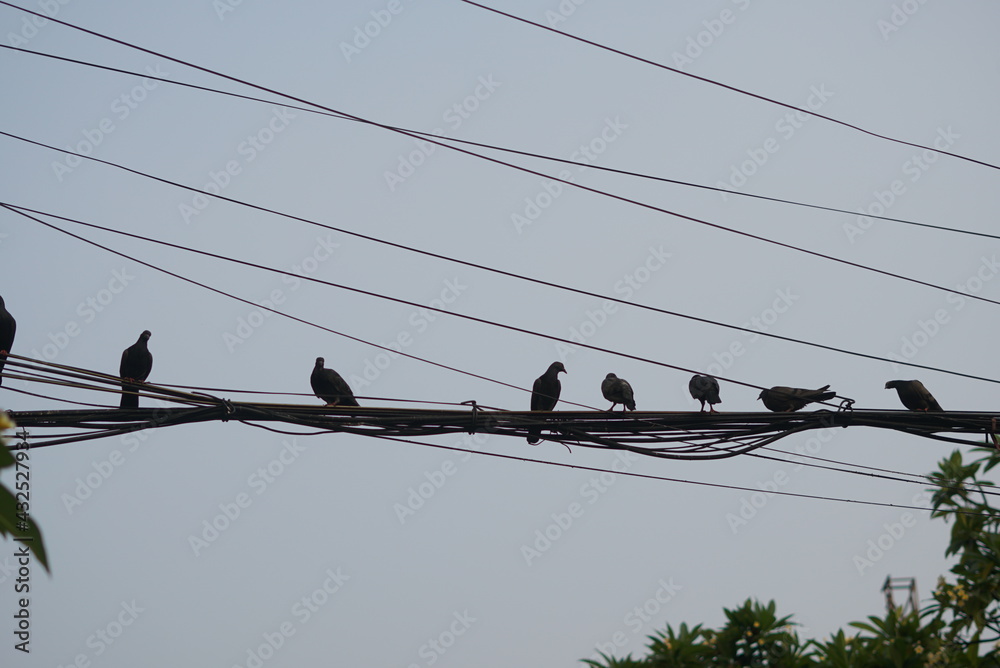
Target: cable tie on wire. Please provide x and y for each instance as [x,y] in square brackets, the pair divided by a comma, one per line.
[475,411]
[229,409]
[846,405]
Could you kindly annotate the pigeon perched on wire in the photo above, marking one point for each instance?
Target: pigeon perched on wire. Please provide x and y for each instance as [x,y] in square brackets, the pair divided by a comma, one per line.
[706,390]
[135,366]
[329,386]
[7,328]
[914,395]
[618,391]
[544,395]
[787,399]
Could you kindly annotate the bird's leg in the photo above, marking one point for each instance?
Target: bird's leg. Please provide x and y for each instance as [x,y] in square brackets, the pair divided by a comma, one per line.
[711,409]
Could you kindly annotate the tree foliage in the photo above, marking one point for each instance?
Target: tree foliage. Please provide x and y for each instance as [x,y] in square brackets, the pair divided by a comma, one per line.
[960,626]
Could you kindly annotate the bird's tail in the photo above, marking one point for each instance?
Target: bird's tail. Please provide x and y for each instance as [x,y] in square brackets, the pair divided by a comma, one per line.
[129,398]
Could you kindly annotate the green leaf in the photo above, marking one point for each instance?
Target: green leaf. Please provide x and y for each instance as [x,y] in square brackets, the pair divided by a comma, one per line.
[6,457]
[11,525]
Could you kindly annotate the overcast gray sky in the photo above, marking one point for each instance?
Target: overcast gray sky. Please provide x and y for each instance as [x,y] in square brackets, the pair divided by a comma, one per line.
[367,552]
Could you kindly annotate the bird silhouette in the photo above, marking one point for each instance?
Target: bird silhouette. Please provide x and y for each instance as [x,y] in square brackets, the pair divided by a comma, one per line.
[705,389]
[618,391]
[787,399]
[135,366]
[329,386]
[545,394]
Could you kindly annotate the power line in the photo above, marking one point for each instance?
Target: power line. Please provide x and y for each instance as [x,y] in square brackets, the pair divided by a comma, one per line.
[391,424]
[647,476]
[511,165]
[493,147]
[85,379]
[726,86]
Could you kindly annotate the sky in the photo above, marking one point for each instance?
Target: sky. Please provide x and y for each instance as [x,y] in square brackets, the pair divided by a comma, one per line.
[225,545]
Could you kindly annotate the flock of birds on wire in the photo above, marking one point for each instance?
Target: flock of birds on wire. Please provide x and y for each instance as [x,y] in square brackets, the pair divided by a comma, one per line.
[330,386]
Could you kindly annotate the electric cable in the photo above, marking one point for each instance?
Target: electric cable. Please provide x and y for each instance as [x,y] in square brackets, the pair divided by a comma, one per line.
[503,273]
[726,86]
[183,398]
[494,147]
[511,165]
